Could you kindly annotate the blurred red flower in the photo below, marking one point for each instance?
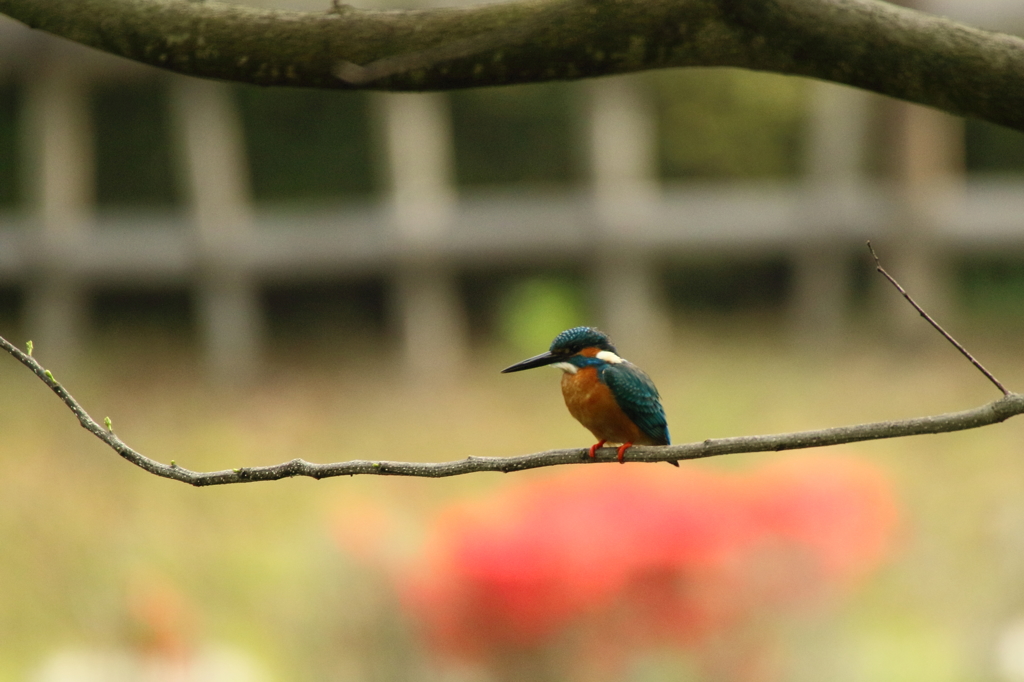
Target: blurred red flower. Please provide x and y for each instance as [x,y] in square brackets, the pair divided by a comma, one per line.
[633,555]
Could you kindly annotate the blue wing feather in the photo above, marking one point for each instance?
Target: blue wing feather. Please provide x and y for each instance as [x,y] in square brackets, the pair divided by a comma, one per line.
[636,394]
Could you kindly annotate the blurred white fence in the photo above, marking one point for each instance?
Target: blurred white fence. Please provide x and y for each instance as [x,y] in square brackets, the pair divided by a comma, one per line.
[426,232]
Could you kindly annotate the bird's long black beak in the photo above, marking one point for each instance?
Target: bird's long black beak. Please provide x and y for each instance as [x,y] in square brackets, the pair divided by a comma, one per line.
[536,361]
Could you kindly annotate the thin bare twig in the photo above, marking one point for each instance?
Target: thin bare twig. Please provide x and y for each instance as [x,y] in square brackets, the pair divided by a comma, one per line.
[932,322]
[1011,404]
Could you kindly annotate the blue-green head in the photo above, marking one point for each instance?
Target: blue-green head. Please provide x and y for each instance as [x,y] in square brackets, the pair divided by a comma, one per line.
[572,341]
[568,344]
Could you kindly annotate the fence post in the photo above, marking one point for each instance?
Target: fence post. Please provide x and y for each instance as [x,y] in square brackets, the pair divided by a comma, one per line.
[927,174]
[834,169]
[210,136]
[623,164]
[429,313]
[60,159]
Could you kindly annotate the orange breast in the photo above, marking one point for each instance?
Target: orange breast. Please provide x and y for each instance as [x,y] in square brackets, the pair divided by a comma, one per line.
[594,406]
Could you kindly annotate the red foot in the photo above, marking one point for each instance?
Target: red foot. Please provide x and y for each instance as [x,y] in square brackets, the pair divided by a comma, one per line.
[622,451]
[594,447]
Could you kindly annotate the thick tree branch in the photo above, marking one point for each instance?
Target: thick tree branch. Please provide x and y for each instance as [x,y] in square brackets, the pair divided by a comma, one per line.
[865,43]
[1009,405]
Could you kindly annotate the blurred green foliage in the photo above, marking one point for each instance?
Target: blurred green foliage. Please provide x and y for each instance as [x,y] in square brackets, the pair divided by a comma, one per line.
[152,312]
[728,123]
[10,306]
[521,308]
[993,149]
[304,312]
[10,182]
[728,285]
[133,145]
[992,288]
[536,309]
[307,145]
[524,133]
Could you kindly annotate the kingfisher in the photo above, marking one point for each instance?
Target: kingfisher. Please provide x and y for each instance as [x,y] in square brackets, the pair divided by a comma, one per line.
[613,398]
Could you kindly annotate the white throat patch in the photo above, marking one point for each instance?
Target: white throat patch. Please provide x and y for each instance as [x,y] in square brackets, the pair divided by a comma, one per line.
[609,357]
[566,367]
